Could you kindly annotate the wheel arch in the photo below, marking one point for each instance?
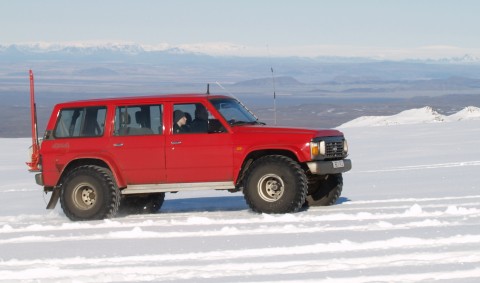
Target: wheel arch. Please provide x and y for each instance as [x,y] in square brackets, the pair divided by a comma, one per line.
[256,154]
[96,162]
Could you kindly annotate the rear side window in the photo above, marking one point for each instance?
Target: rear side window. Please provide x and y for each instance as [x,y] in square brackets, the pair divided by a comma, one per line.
[138,120]
[81,122]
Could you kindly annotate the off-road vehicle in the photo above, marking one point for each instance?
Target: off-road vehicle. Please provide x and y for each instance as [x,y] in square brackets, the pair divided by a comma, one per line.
[97,156]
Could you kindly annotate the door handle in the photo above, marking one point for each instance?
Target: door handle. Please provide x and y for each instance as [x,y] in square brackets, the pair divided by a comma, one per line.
[176,142]
[118,144]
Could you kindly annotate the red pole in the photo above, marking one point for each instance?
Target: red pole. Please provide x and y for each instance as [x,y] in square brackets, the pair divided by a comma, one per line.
[32,109]
[35,148]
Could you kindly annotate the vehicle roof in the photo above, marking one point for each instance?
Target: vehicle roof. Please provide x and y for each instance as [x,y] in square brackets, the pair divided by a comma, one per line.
[181,97]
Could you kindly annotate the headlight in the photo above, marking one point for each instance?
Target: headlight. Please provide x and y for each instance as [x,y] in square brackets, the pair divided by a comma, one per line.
[322,148]
[345,147]
[317,149]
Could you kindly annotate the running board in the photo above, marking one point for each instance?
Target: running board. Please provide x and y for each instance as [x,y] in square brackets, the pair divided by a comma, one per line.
[163,188]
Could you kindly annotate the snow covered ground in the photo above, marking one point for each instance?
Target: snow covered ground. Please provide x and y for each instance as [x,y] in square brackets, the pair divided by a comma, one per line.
[410,212]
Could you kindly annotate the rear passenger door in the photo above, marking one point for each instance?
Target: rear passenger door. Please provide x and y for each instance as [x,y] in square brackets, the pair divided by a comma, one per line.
[138,143]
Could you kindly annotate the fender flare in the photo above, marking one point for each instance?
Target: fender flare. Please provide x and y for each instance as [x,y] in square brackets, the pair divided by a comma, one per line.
[104,160]
[258,151]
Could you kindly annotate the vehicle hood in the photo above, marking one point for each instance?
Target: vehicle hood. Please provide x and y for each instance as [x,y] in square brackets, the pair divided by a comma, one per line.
[264,129]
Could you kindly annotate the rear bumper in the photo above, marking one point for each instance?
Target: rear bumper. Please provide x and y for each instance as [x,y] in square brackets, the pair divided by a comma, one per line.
[329,167]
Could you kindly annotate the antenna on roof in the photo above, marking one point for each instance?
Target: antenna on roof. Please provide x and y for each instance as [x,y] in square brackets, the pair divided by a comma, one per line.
[208,88]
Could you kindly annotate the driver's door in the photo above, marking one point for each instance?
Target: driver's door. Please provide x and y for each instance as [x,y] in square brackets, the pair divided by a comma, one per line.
[194,156]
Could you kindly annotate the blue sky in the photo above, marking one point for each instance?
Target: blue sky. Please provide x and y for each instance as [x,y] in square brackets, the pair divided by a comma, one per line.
[295,27]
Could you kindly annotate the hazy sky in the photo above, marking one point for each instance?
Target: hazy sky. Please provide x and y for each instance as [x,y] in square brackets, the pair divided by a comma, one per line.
[296,27]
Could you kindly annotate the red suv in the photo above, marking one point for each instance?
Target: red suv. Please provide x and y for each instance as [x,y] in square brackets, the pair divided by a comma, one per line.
[97,156]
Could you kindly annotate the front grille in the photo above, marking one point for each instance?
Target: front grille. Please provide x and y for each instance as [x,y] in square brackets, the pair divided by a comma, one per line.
[334,149]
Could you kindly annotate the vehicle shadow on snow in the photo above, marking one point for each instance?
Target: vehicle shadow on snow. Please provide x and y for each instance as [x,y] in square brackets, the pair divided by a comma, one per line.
[342,200]
[204,204]
[211,204]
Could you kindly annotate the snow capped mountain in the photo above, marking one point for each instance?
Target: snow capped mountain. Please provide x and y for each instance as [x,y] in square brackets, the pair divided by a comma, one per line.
[467,58]
[468,113]
[129,48]
[85,47]
[414,116]
[215,49]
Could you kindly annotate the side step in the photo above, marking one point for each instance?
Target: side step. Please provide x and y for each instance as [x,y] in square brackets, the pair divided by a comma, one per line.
[163,188]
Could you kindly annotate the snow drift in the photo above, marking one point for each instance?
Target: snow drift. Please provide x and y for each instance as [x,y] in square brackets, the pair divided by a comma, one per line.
[422,115]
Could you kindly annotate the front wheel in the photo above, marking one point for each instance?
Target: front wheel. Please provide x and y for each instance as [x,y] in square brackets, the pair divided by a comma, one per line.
[324,190]
[89,193]
[275,184]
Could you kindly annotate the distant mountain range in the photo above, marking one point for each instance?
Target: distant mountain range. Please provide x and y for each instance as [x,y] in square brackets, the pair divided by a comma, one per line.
[144,65]
[87,49]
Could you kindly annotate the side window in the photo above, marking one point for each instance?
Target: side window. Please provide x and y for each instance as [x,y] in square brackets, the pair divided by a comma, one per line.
[138,120]
[194,118]
[81,122]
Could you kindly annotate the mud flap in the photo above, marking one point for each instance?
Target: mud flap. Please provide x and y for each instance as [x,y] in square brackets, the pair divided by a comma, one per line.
[54,198]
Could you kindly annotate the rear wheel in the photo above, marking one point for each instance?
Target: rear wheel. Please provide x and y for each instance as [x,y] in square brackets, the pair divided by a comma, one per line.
[275,184]
[324,190]
[89,193]
[142,204]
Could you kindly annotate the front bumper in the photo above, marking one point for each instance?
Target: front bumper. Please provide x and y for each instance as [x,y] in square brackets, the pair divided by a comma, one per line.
[329,167]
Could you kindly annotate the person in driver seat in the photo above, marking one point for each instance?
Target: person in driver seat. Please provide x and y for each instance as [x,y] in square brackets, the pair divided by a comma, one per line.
[179,122]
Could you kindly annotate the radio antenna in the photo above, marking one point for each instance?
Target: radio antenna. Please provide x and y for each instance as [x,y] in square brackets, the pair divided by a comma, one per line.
[274,92]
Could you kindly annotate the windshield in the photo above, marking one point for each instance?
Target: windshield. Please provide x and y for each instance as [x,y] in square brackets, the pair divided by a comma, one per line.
[234,112]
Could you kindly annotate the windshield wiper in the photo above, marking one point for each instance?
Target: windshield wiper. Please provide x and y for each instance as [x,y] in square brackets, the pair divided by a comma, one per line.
[239,123]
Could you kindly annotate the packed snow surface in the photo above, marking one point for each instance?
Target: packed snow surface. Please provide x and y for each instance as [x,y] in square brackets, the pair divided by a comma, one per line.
[409,212]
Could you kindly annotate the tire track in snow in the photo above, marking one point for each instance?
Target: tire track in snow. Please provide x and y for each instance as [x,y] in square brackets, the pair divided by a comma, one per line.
[404,243]
[413,217]
[372,260]
[224,265]
[365,210]
[422,167]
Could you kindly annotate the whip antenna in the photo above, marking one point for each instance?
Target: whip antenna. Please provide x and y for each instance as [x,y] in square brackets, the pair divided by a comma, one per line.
[274,94]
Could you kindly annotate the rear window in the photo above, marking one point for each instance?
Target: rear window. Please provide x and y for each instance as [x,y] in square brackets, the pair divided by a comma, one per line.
[81,122]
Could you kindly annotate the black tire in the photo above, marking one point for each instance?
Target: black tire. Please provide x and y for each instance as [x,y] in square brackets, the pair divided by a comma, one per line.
[142,204]
[324,190]
[89,193]
[275,184]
